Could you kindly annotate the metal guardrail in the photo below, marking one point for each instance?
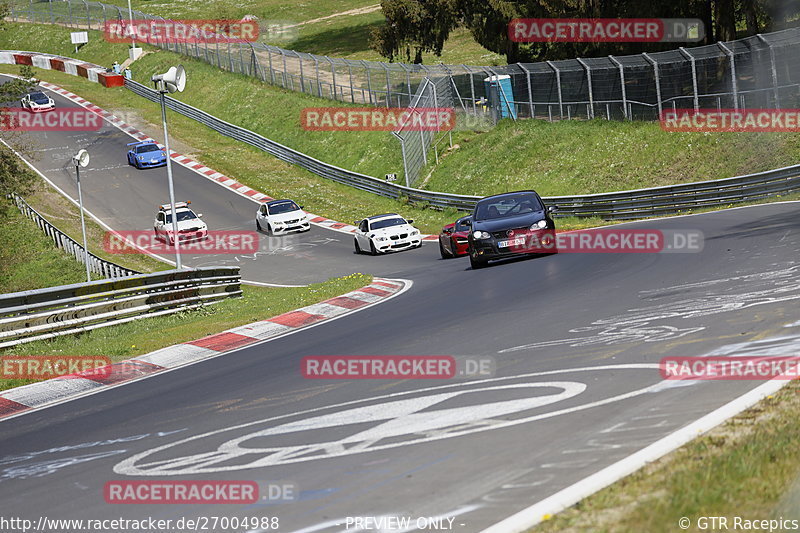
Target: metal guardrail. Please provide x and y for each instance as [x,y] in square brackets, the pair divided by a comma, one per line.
[104,268]
[624,205]
[46,313]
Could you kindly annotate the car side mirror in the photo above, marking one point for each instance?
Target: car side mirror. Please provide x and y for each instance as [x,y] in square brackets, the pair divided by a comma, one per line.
[552,209]
[199,215]
[410,220]
[467,223]
[301,207]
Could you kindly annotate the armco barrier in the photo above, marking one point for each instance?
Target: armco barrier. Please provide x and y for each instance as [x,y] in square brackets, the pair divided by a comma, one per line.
[624,205]
[107,269]
[75,67]
[46,313]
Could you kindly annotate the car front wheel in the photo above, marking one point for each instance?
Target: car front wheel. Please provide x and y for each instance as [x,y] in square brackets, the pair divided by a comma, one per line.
[258,225]
[443,252]
[475,262]
[372,249]
[358,248]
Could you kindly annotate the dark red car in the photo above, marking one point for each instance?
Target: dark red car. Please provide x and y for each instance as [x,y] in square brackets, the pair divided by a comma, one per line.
[453,238]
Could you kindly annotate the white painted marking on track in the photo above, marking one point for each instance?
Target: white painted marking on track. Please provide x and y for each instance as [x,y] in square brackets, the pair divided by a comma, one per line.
[402,420]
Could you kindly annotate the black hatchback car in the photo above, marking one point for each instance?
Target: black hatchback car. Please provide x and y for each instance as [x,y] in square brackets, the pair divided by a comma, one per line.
[504,225]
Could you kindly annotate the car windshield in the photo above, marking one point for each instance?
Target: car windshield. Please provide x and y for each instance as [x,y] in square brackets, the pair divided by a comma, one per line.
[147,148]
[386,223]
[39,98]
[282,207]
[182,215]
[507,206]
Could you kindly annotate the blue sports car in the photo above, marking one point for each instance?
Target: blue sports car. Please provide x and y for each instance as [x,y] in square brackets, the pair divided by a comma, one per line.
[146,154]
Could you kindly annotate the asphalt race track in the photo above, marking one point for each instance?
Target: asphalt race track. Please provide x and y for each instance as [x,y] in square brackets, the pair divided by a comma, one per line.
[576,339]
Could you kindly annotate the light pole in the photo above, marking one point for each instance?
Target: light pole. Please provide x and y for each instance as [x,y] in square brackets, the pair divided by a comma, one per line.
[81,160]
[169,82]
[134,55]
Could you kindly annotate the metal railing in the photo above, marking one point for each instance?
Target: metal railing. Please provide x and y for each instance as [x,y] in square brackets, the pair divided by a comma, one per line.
[99,266]
[623,205]
[46,313]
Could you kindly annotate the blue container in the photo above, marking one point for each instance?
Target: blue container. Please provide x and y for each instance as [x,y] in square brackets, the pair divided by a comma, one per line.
[501,95]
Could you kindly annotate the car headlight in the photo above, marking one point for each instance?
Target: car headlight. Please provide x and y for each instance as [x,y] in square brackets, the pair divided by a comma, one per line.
[415,232]
[379,239]
[141,158]
[481,234]
[540,225]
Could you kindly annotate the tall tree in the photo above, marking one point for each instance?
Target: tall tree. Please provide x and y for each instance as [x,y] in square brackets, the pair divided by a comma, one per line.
[414,26]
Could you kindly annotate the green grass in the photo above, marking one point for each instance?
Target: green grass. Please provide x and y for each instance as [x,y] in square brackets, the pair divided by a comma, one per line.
[28,259]
[584,157]
[747,467]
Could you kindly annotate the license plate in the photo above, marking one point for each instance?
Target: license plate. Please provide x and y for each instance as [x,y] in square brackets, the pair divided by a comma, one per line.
[511,242]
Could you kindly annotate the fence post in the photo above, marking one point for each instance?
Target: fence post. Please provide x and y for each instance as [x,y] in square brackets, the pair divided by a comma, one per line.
[369,80]
[408,84]
[658,82]
[403,151]
[352,91]
[333,74]
[285,71]
[254,60]
[558,86]
[622,85]
[734,85]
[88,15]
[774,71]
[52,16]
[316,68]
[388,85]
[471,89]
[694,76]
[271,70]
[530,92]
[69,7]
[302,75]
[589,80]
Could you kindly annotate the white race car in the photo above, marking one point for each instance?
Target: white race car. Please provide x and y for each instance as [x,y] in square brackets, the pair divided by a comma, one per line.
[386,233]
[190,227]
[37,102]
[278,217]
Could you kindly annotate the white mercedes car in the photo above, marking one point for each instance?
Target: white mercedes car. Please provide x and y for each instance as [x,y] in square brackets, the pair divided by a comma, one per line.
[37,102]
[190,227]
[278,217]
[386,233]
